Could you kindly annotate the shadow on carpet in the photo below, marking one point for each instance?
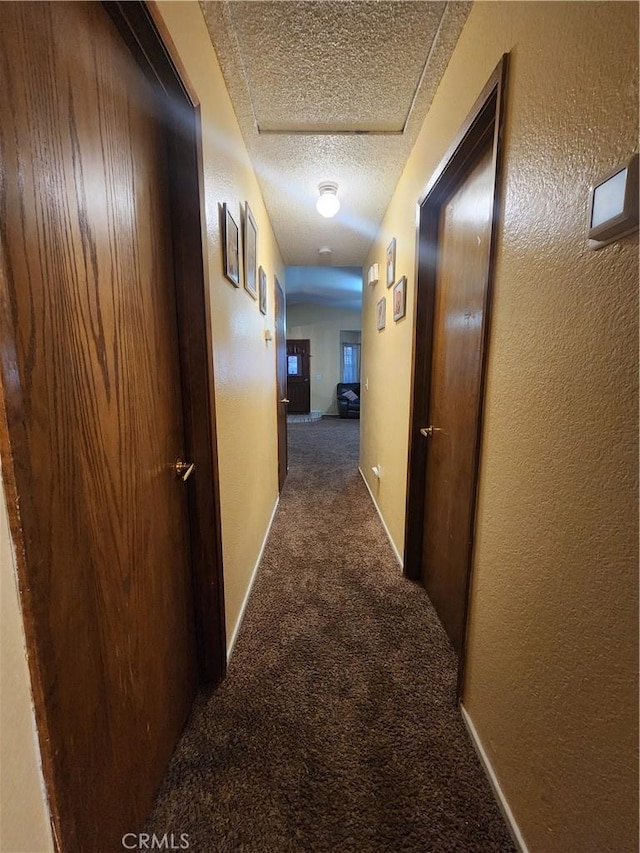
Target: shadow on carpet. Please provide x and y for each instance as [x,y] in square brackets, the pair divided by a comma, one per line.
[336,728]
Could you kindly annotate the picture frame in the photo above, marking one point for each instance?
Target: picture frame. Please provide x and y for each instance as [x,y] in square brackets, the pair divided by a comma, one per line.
[400,299]
[250,253]
[230,246]
[381,314]
[262,291]
[391,262]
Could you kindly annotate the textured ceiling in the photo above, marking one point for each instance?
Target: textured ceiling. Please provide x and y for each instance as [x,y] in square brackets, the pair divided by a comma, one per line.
[331,91]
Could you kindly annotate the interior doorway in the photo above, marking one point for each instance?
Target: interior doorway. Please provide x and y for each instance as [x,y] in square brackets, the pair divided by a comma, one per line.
[457,228]
[299,376]
[282,401]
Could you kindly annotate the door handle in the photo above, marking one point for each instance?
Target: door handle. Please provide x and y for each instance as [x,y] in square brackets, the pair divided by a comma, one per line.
[284,400]
[428,432]
[184,470]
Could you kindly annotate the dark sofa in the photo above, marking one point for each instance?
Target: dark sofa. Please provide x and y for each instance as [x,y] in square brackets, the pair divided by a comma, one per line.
[348,396]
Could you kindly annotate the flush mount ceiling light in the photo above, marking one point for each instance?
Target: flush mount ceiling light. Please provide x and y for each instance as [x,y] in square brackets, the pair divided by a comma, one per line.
[328,204]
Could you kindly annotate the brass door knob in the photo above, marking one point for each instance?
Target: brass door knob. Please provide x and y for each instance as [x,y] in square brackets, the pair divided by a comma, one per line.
[184,470]
[428,432]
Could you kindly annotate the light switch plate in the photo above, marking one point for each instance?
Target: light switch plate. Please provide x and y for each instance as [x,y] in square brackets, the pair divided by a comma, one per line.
[613,204]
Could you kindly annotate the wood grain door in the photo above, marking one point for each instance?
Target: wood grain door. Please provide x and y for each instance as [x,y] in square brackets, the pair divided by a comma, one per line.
[94,409]
[456,371]
[298,376]
[281,382]
[458,213]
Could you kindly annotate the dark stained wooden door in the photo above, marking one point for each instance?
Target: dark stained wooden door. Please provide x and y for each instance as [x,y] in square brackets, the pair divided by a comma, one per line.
[298,376]
[281,382]
[456,374]
[95,403]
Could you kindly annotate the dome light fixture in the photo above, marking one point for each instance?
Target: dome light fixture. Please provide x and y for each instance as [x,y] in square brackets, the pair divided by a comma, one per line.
[328,203]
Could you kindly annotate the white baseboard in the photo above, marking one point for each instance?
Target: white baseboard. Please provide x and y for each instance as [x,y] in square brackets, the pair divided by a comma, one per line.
[510,820]
[254,574]
[384,524]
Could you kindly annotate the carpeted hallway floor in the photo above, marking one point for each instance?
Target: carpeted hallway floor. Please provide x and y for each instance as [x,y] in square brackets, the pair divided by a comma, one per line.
[336,728]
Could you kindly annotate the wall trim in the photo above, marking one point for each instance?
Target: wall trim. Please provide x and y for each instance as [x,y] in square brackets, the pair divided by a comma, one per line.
[384,523]
[254,574]
[498,793]
[12,567]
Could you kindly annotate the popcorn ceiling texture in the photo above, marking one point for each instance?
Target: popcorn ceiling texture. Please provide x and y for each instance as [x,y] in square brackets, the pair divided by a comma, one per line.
[322,71]
[331,67]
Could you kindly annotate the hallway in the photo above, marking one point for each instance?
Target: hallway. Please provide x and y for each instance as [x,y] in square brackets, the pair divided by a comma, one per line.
[336,727]
[168,171]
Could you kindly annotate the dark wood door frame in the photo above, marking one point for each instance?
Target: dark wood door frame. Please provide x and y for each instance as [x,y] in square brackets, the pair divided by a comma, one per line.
[299,385]
[142,30]
[281,381]
[485,121]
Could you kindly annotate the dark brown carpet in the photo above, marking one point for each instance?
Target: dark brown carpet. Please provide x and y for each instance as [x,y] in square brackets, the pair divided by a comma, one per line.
[336,728]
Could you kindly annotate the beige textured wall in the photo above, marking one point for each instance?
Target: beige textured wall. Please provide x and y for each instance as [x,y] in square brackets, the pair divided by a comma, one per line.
[322,325]
[385,370]
[551,681]
[24,819]
[244,362]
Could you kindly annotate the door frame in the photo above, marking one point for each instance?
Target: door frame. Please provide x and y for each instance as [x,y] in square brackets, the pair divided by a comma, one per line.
[144,33]
[485,120]
[281,381]
[143,30]
[307,366]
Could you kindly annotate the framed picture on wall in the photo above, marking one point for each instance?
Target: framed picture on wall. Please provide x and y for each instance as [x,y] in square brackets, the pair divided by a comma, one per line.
[400,299]
[381,313]
[230,246]
[391,262]
[250,252]
[262,290]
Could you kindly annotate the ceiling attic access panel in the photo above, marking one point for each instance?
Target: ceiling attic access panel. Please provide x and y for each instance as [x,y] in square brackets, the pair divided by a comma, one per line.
[331,91]
[317,75]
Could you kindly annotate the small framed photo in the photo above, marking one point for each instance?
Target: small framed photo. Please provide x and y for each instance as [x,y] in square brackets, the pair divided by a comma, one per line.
[250,253]
[391,262]
[400,299]
[262,290]
[230,247]
[381,313]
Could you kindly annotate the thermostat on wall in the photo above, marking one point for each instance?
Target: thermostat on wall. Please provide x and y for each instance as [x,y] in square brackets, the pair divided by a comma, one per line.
[613,207]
